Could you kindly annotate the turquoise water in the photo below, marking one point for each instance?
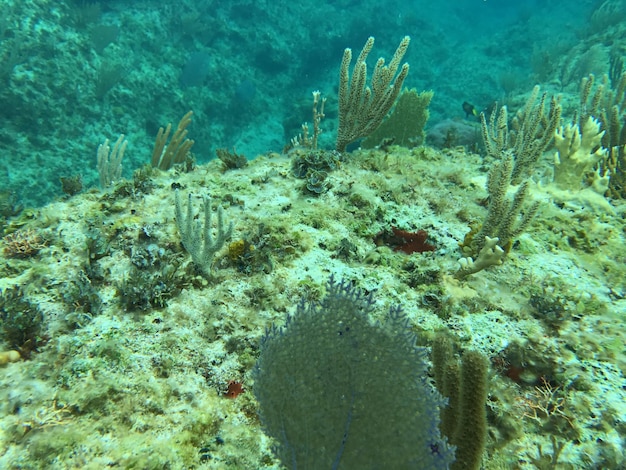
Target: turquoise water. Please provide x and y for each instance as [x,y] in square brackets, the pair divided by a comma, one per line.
[76,72]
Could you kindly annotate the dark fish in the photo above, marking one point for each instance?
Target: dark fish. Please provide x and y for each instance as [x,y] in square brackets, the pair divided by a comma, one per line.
[470,109]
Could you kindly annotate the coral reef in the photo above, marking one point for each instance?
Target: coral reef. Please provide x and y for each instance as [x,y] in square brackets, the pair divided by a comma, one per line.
[130,327]
[128,346]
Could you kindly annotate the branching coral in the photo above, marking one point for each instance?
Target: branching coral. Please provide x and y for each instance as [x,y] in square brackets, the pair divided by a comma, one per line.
[361,108]
[578,150]
[196,237]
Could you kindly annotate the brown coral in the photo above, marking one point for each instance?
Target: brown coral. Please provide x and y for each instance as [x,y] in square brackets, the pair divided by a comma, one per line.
[23,244]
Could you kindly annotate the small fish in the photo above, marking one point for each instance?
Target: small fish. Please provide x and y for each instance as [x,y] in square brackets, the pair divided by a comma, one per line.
[470,109]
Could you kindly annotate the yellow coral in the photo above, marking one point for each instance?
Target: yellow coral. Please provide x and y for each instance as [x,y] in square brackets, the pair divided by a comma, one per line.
[238,248]
[9,356]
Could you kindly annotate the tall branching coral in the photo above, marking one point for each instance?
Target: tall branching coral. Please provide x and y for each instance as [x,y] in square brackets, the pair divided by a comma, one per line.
[165,154]
[516,153]
[507,217]
[362,108]
[530,133]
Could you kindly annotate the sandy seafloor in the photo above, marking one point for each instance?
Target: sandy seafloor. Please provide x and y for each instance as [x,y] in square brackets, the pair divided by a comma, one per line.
[131,386]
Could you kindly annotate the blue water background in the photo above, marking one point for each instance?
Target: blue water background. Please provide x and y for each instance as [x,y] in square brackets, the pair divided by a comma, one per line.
[76,72]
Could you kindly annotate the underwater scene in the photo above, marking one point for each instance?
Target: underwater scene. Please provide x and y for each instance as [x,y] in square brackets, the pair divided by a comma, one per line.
[340,234]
